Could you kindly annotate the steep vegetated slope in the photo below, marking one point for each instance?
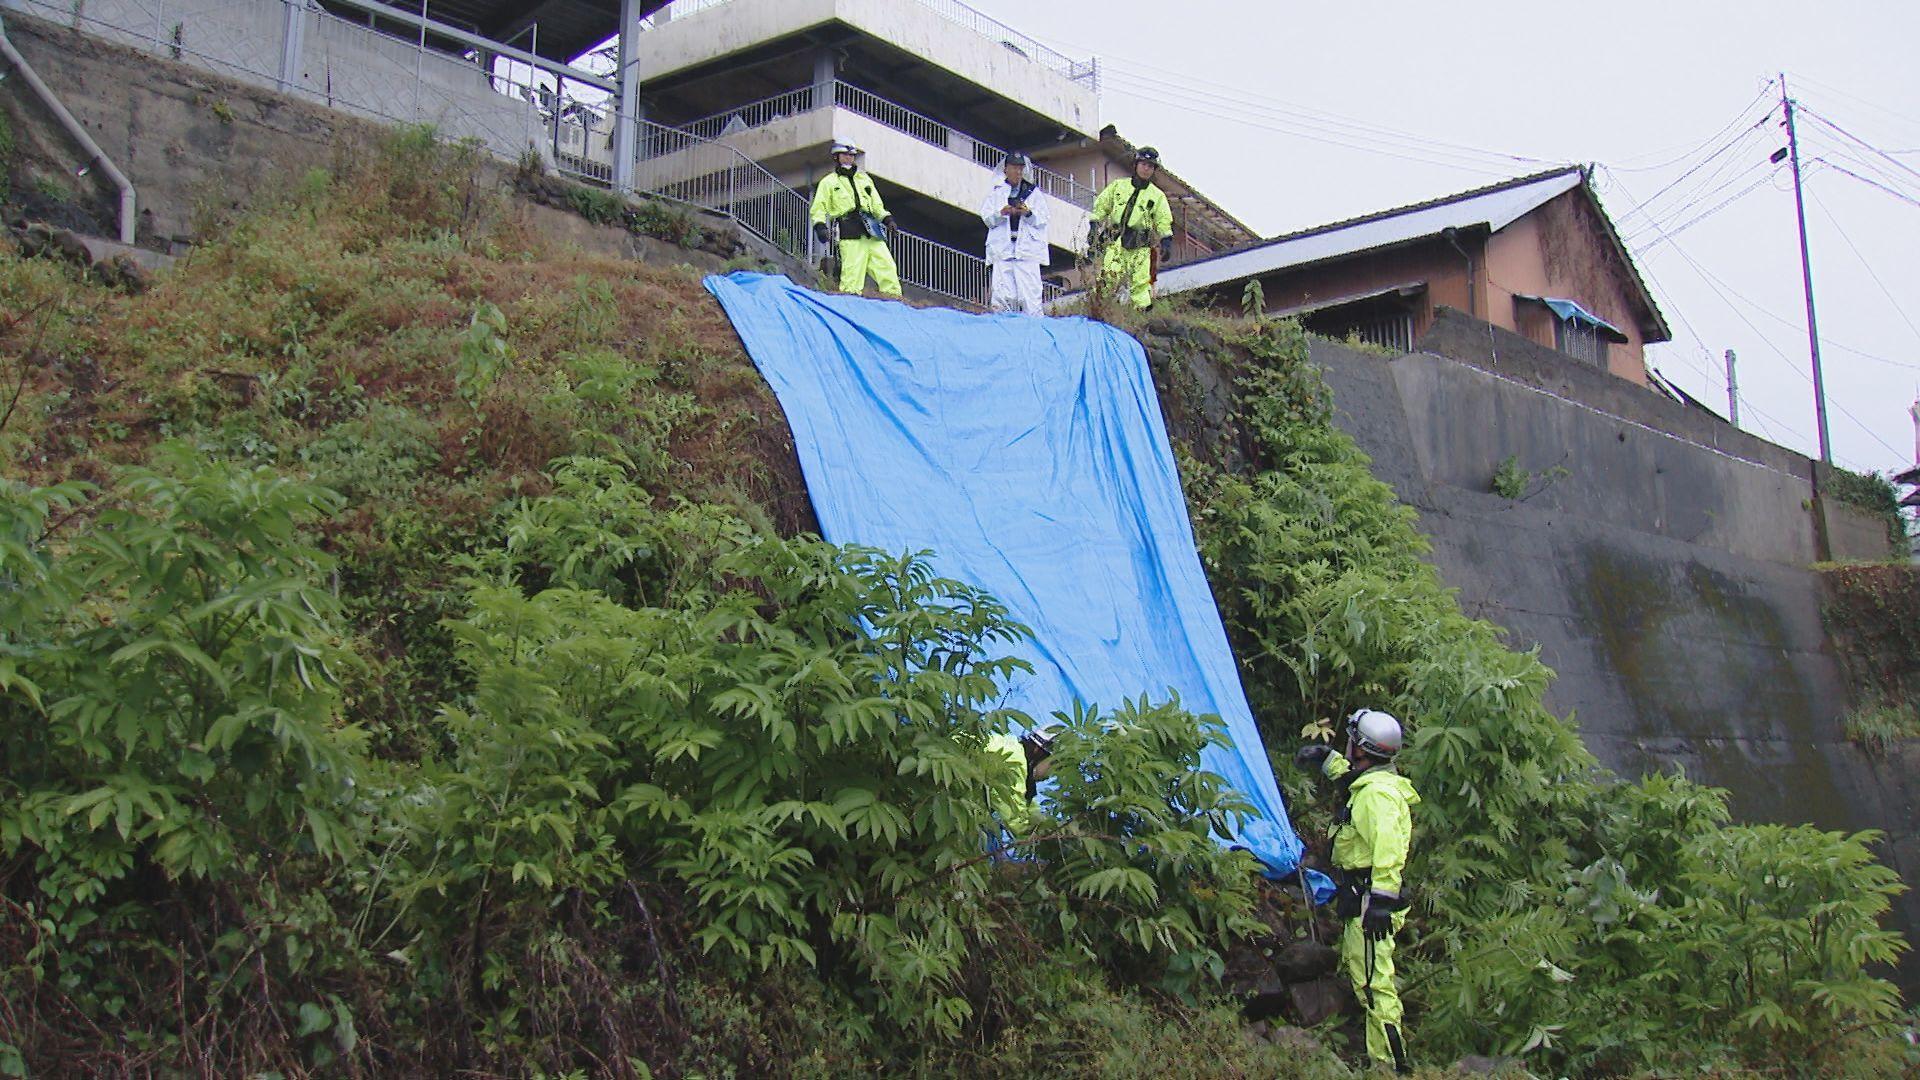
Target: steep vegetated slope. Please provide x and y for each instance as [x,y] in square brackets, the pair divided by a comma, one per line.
[413,660]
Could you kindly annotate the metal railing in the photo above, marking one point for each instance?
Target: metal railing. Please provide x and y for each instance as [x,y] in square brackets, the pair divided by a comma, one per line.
[698,171]
[845,95]
[300,50]
[1081,71]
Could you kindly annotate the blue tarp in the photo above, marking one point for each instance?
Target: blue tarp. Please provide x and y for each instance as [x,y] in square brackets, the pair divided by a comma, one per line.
[1030,456]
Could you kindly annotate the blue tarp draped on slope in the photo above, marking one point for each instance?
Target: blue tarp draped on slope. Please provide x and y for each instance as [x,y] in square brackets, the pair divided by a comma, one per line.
[1030,456]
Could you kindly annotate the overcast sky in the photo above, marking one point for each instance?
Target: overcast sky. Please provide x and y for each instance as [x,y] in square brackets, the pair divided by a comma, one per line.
[1249,101]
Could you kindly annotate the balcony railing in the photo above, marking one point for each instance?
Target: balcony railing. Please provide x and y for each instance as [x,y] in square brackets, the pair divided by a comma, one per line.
[728,182]
[1086,72]
[847,96]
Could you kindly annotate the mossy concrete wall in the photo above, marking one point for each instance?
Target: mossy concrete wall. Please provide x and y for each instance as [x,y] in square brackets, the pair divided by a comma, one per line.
[1665,578]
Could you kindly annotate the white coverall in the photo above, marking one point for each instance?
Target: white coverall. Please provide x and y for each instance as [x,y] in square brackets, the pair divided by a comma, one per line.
[1016,257]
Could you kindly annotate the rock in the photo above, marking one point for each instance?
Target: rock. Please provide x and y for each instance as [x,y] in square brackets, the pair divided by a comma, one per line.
[1313,1002]
[123,272]
[1305,961]
[1249,972]
[37,239]
[1293,1038]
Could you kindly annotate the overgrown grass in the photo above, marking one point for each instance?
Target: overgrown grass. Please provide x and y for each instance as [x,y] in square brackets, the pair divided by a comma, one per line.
[450,757]
[1880,726]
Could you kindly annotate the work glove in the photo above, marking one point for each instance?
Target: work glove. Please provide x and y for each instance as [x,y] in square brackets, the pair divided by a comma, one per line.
[892,225]
[1166,249]
[1377,921]
[820,232]
[1312,757]
[1096,234]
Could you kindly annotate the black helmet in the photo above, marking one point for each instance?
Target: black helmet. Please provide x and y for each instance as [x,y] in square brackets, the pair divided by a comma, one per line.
[1147,153]
[1017,158]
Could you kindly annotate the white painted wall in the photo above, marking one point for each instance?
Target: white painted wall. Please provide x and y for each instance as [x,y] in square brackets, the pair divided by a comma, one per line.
[737,25]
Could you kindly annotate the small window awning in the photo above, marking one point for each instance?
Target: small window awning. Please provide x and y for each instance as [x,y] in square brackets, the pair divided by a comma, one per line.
[1569,311]
[1409,289]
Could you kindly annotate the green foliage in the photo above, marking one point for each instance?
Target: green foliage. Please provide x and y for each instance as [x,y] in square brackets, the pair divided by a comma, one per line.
[1510,481]
[1584,923]
[1253,300]
[1125,838]
[168,713]
[1873,493]
[483,353]
[597,205]
[1879,726]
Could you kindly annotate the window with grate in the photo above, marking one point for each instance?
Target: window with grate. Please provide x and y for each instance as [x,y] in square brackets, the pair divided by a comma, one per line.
[1580,340]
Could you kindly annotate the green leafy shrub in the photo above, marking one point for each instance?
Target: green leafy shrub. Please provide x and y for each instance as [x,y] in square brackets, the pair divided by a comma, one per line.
[1131,868]
[1558,910]
[1879,726]
[170,734]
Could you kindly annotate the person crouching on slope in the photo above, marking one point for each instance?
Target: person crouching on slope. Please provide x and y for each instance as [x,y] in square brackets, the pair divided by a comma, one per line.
[847,198]
[1372,833]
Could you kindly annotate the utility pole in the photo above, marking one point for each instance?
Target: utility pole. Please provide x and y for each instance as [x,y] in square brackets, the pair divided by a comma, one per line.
[1733,392]
[1806,278]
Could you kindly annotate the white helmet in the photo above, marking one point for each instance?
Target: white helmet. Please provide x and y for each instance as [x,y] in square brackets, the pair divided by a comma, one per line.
[844,148]
[1376,733]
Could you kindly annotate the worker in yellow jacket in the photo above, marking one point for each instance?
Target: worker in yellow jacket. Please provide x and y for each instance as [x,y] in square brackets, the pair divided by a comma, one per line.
[1130,216]
[846,198]
[1372,834]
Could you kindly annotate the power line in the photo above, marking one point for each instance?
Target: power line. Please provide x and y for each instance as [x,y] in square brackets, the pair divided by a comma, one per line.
[1666,225]
[1836,167]
[1241,98]
[1864,264]
[1641,207]
[1306,128]
[1709,140]
[1829,88]
[1823,121]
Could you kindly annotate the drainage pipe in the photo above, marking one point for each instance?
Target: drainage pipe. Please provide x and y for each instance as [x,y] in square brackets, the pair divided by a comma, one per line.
[95,155]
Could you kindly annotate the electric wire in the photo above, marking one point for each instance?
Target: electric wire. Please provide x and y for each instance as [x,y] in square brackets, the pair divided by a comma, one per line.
[1715,284]
[1745,110]
[1843,170]
[1667,233]
[1844,133]
[1268,120]
[1643,206]
[1241,98]
[1864,264]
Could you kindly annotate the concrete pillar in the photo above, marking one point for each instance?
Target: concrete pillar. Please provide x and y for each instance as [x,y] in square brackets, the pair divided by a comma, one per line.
[825,71]
[625,120]
[293,34]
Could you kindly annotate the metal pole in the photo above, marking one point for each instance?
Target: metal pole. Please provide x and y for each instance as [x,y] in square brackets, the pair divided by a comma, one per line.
[627,107]
[1733,392]
[420,61]
[1806,278]
[292,29]
[559,110]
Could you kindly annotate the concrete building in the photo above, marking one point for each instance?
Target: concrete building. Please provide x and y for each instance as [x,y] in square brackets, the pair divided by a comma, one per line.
[1536,255]
[936,94]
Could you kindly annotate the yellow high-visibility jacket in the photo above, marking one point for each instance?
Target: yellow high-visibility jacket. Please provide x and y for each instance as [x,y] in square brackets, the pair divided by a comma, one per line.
[1379,831]
[833,197]
[1150,210]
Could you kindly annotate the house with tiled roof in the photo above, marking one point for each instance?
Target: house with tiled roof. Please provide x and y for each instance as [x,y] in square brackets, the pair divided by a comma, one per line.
[1536,255]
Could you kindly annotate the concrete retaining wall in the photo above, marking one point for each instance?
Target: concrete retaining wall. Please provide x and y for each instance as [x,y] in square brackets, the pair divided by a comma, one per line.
[1666,580]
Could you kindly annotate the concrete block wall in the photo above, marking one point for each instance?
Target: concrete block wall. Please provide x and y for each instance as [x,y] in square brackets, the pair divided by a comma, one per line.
[1666,581]
[337,63]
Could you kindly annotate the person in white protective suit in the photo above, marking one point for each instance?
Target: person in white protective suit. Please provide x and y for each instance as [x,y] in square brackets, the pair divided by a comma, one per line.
[1015,212]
